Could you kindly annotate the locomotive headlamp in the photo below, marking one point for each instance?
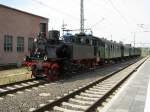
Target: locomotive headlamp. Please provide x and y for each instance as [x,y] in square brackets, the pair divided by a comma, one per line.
[24,58]
[27,58]
[35,39]
[45,58]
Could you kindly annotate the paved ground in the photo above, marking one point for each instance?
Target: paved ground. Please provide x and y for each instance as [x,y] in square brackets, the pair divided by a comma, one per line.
[132,97]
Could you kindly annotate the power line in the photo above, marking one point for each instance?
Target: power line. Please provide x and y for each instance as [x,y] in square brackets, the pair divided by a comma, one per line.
[114,7]
[121,15]
[101,20]
[56,10]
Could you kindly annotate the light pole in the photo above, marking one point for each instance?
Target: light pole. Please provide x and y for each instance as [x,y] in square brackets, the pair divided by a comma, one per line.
[134,36]
[142,26]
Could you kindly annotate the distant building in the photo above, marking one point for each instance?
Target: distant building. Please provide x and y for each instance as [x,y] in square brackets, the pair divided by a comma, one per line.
[17,32]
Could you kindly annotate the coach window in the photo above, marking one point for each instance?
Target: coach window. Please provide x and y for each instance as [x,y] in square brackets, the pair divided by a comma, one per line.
[20,44]
[8,43]
[30,43]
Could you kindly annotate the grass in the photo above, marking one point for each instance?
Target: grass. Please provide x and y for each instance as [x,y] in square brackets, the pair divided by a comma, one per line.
[11,76]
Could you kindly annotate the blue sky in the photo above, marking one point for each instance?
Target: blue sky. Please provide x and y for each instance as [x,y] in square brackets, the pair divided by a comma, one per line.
[119,18]
[15,3]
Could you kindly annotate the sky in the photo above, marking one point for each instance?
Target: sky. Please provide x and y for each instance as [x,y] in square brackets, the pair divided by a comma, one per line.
[119,20]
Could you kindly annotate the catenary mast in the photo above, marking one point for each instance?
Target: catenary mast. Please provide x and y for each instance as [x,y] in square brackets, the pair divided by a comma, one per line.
[81,17]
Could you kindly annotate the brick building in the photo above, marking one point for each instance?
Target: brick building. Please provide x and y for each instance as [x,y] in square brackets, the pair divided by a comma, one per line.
[17,32]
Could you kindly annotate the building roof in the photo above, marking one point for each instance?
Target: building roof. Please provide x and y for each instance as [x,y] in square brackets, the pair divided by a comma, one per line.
[22,11]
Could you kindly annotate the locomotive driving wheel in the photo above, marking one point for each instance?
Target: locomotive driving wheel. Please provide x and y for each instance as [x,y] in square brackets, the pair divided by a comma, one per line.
[53,72]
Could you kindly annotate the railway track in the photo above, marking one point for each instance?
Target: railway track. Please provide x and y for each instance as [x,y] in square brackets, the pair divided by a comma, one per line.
[90,96]
[18,86]
[22,85]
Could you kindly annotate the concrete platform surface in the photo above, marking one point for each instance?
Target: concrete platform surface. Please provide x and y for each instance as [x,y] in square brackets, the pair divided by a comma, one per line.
[134,96]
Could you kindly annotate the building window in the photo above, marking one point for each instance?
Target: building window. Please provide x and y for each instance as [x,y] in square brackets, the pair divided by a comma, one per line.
[30,44]
[20,44]
[8,43]
[43,27]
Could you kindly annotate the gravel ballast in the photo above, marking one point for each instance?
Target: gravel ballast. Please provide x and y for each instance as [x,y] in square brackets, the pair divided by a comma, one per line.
[35,97]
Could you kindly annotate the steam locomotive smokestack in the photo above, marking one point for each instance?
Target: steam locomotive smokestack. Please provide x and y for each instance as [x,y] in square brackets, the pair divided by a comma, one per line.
[81,17]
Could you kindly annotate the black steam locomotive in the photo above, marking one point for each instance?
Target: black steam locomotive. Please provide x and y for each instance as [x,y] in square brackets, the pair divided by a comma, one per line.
[52,57]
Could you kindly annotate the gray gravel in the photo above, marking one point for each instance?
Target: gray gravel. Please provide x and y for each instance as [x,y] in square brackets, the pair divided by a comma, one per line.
[22,102]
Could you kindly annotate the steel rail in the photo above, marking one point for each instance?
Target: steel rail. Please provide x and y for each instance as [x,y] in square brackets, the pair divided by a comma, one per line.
[15,83]
[10,91]
[57,102]
[22,87]
[105,96]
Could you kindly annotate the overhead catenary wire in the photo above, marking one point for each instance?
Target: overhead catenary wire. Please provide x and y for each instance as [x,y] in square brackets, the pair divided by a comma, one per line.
[114,7]
[121,14]
[118,11]
[98,22]
[56,10]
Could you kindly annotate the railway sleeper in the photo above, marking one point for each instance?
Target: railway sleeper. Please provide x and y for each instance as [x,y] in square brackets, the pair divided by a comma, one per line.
[93,92]
[10,88]
[98,90]
[81,101]
[74,106]
[90,95]
[61,109]
[85,98]
[102,88]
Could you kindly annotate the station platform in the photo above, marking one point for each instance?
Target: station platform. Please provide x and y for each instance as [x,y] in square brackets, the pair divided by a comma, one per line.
[134,95]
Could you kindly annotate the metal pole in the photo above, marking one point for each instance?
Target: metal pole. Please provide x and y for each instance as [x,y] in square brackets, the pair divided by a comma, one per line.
[63,28]
[134,39]
[81,17]
[111,36]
